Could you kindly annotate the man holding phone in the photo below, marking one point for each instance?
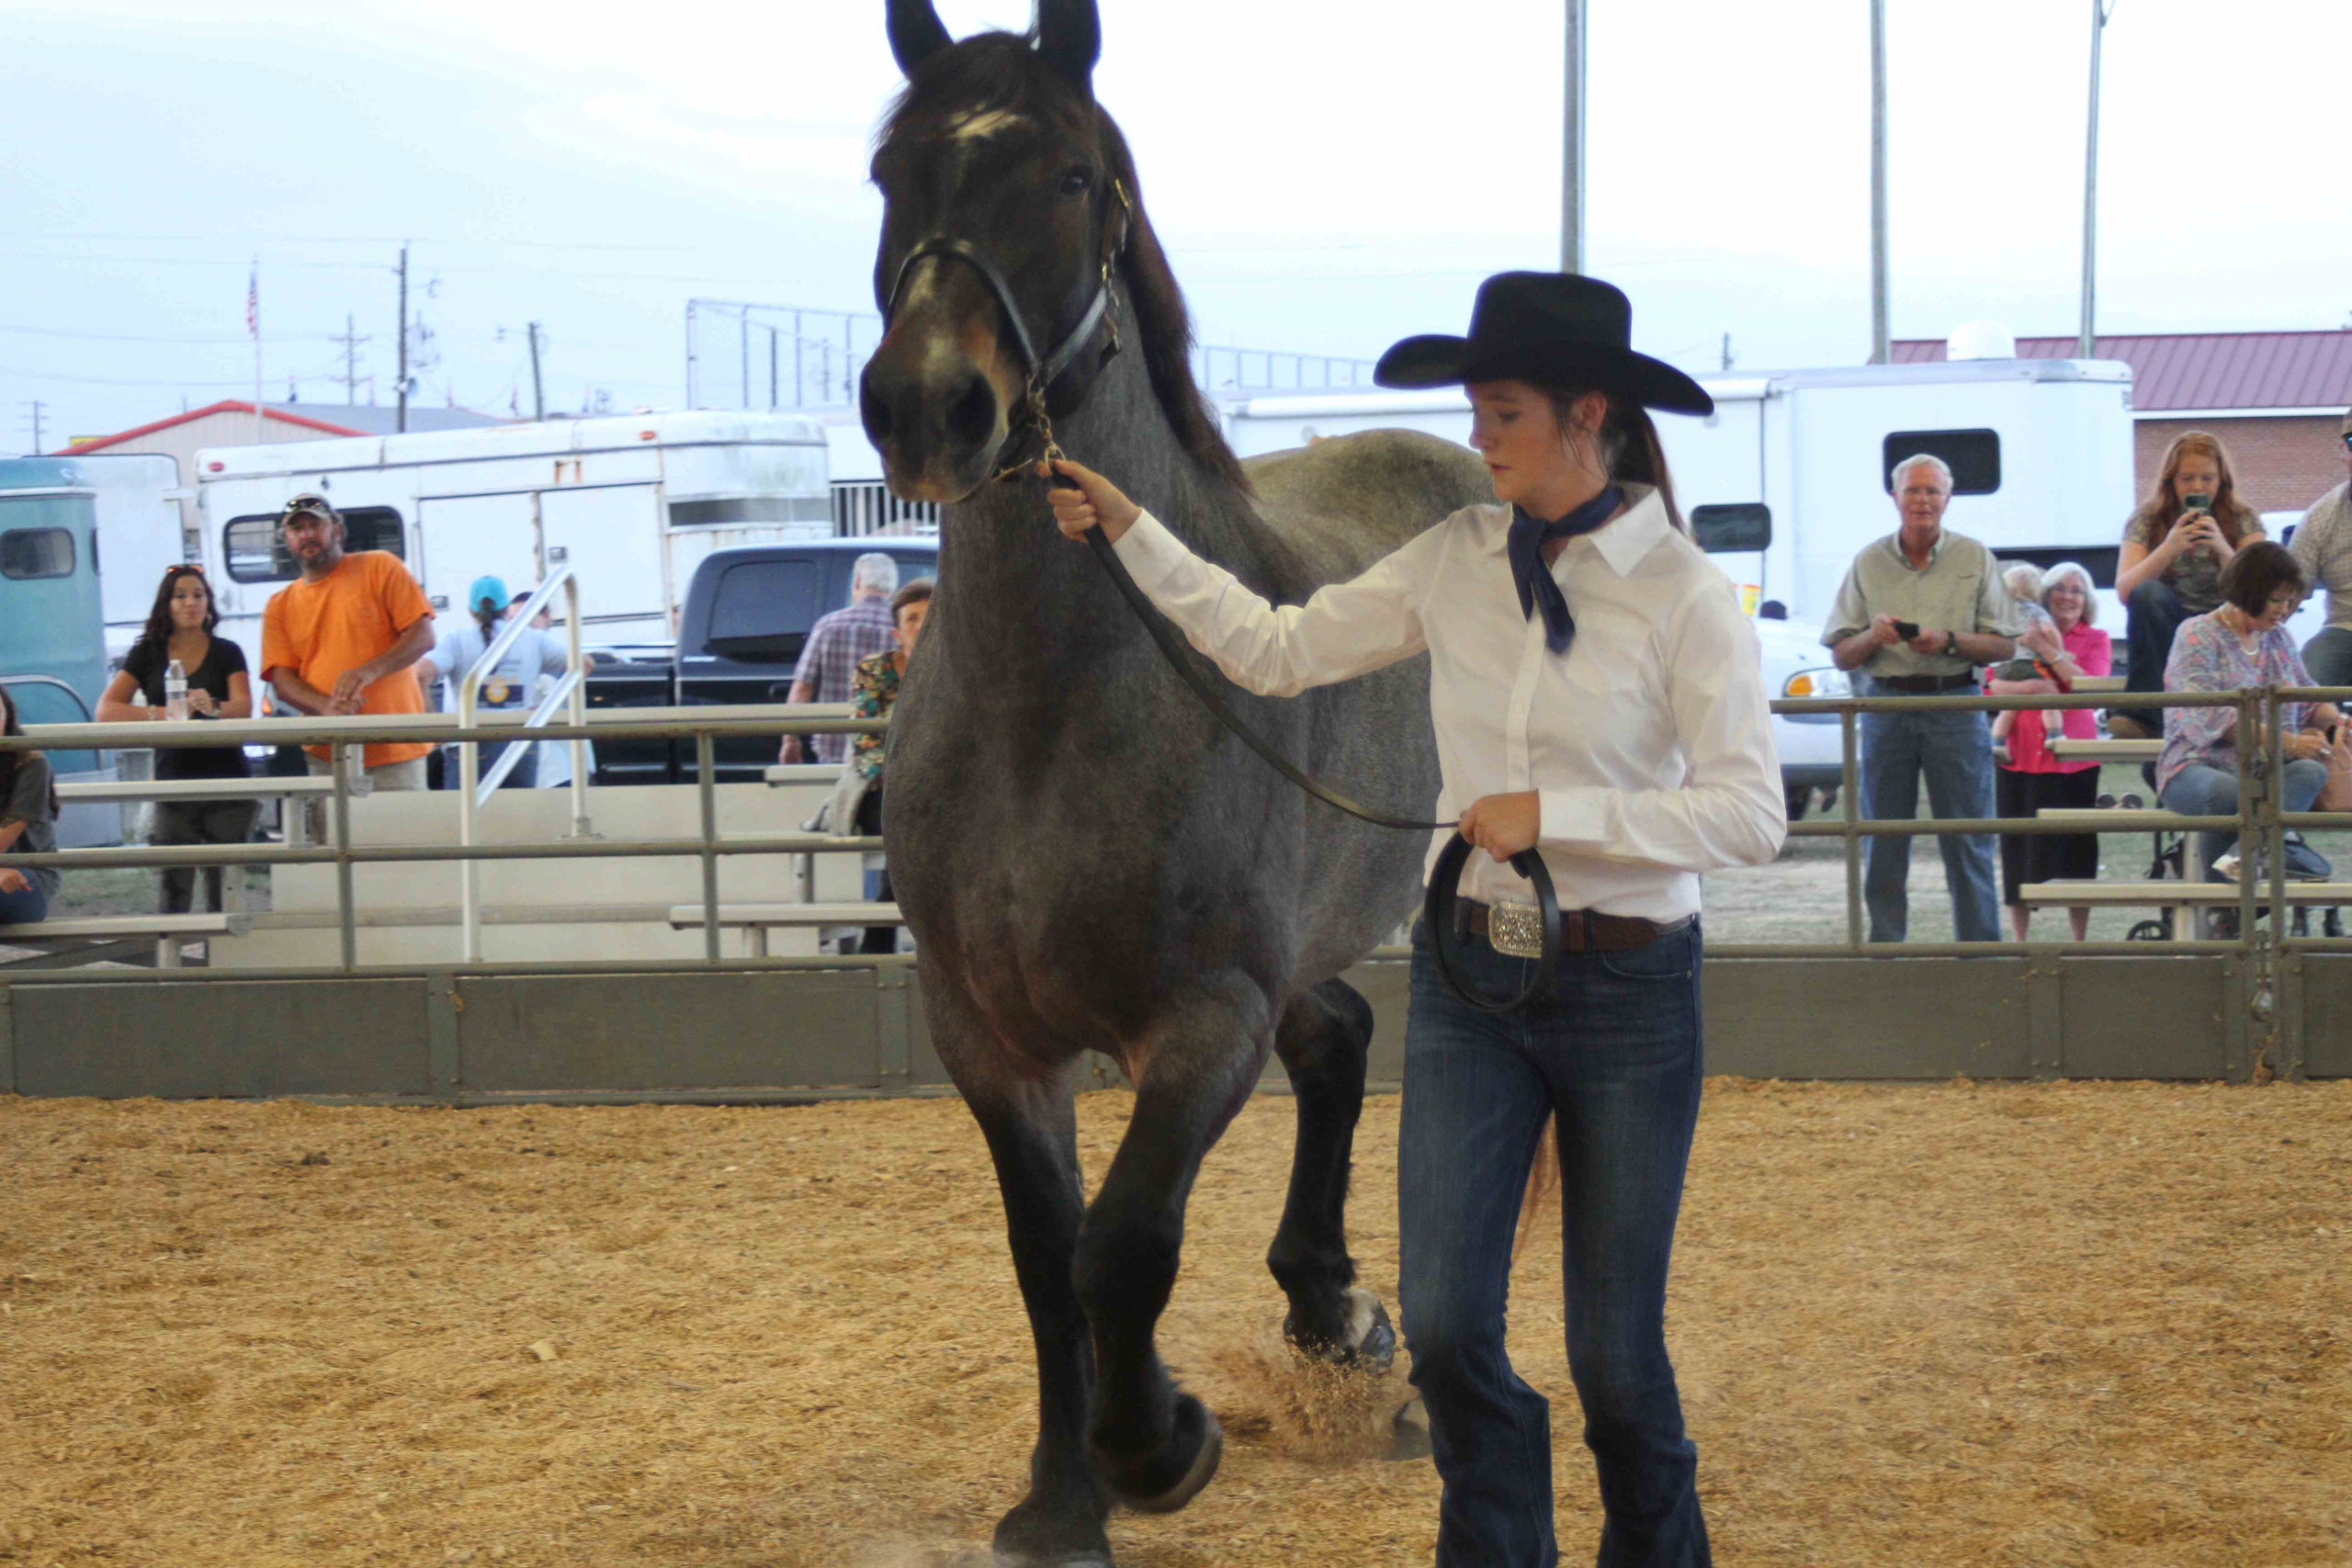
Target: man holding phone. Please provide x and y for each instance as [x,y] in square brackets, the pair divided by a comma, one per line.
[1919,610]
[2322,545]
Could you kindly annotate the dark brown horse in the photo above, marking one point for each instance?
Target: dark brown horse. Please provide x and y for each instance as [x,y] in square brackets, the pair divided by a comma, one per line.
[1086,860]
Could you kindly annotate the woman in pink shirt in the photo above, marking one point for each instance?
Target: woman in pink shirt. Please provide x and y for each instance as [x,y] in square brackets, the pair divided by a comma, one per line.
[2071,645]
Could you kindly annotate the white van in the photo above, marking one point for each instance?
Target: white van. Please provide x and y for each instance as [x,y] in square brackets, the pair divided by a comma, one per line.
[630,502]
[1789,479]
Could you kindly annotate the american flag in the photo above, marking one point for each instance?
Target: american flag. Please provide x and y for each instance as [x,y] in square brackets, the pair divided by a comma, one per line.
[252,300]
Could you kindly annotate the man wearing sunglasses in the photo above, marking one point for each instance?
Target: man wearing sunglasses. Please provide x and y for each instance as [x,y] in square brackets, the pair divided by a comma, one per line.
[2323,548]
[343,636]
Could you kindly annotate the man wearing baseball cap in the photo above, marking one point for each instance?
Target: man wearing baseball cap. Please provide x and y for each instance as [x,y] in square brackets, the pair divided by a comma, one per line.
[343,637]
[512,684]
[2323,548]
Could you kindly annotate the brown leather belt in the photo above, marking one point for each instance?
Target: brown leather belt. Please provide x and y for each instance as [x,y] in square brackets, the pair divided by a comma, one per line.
[1925,685]
[1581,930]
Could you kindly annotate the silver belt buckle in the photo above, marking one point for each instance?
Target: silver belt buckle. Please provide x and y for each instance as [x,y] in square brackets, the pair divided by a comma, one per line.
[1515,930]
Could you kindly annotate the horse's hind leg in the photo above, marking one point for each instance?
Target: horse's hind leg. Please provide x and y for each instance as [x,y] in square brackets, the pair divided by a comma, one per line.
[1033,1137]
[1323,1039]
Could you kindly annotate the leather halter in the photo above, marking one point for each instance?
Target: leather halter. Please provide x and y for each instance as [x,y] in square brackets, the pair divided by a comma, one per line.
[1042,372]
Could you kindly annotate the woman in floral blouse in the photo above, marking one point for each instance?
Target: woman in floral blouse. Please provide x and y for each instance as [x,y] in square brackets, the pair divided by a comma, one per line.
[873,690]
[2242,644]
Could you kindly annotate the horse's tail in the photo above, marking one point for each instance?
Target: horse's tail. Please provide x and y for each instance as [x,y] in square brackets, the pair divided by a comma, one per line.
[1543,1185]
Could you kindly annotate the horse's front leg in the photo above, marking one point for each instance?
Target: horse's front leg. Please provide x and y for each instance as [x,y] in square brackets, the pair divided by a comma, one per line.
[1323,1040]
[1031,1135]
[1155,1445]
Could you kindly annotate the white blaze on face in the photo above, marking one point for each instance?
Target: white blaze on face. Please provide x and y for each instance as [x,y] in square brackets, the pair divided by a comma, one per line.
[987,123]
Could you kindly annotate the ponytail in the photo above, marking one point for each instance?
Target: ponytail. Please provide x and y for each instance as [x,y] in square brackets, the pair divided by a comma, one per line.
[1630,452]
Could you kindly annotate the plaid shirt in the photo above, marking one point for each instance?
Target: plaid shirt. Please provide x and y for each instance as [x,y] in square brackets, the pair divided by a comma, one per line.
[2323,548]
[837,644]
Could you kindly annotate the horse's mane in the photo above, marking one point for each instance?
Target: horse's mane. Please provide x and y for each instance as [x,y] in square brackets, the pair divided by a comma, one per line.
[999,72]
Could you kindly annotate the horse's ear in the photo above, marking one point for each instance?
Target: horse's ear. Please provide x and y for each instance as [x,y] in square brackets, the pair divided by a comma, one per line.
[1069,37]
[916,33]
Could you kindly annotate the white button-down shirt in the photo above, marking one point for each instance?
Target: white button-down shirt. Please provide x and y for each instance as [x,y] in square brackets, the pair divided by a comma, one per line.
[1649,744]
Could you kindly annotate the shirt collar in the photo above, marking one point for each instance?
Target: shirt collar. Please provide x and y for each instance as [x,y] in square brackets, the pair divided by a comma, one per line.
[1935,551]
[1624,543]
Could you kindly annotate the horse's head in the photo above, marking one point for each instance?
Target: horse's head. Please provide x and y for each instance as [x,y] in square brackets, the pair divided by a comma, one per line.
[1006,210]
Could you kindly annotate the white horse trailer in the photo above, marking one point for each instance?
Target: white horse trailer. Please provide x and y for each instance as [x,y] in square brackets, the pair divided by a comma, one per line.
[631,503]
[135,499]
[1789,479]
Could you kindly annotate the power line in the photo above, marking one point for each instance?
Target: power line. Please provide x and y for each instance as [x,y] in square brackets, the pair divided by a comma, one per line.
[130,337]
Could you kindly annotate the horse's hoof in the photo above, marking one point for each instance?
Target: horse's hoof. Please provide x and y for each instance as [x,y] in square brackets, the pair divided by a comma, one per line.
[1367,1343]
[1196,1432]
[1079,1559]
[1040,1534]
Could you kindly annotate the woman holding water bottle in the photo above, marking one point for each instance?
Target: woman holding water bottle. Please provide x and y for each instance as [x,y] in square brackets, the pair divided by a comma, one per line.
[178,669]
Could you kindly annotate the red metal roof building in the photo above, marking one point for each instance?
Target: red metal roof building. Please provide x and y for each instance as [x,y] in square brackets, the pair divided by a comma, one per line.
[2277,401]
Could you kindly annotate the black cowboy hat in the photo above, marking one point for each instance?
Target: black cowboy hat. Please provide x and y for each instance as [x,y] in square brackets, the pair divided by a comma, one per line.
[1553,328]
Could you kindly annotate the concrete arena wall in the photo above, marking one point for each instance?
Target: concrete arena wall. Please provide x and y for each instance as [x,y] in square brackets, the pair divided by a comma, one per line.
[748,1034]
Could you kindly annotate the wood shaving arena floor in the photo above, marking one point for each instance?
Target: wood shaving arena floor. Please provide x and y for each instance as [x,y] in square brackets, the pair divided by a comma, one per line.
[2096,1324]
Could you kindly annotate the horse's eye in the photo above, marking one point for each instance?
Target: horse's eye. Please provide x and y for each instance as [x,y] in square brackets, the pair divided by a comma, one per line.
[1074,182]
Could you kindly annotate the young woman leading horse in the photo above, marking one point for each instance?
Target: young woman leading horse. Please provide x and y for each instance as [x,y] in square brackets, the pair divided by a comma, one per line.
[1596,695]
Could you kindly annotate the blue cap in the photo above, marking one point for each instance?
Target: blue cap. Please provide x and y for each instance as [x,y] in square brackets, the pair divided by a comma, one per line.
[490,588]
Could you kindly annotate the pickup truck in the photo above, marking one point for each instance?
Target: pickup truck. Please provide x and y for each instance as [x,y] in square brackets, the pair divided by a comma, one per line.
[747,614]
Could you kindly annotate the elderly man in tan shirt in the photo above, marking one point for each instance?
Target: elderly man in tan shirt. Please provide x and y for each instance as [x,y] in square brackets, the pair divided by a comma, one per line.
[2322,545]
[1919,610]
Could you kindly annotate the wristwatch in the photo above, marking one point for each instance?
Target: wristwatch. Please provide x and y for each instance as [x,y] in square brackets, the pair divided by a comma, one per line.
[1951,644]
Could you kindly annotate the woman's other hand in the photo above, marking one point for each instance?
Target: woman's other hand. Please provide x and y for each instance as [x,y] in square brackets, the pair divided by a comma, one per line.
[14,881]
[1088,500]
[200,701]
[1502,825]
[2305,746]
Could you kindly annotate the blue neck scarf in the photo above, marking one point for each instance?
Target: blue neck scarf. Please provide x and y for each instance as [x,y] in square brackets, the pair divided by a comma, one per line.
[1529,534]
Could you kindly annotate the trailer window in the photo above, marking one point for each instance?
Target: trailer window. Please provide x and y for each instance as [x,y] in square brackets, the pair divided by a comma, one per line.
[762,610]
[255,551]
[35,552]
[1745,526]
[750,509]
[1973,457]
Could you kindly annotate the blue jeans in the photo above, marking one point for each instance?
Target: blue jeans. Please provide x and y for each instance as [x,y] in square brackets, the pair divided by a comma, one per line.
[1955,750]
[23,908]
[2329,657]
[1616,1058]
[2201,791]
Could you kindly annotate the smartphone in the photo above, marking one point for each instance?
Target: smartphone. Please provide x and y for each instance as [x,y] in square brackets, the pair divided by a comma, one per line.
[1907,630]
[2198,501]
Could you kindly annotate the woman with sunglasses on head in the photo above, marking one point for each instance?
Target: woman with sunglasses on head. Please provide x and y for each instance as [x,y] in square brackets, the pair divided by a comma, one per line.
[1622,731]
[179,630]
[28,826]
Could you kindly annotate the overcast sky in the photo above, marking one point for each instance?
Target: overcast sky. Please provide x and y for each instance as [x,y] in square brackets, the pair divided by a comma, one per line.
[1323,185]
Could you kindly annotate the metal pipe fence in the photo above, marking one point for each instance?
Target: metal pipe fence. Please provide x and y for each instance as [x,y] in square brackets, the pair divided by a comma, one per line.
[2258,819]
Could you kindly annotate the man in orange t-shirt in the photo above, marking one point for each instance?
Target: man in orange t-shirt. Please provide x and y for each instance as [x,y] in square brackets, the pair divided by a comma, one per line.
[343,638]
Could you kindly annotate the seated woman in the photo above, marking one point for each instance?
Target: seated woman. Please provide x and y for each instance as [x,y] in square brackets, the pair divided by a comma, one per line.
[2242,644]
[180,628]
[28,826]
[2170,565]
[2069,646]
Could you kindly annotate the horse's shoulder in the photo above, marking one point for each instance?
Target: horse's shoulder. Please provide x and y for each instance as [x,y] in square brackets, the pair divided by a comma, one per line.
[1346,502]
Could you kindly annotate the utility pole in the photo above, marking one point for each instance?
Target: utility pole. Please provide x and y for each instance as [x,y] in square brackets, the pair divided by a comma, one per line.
[400,422]
[36,405]
[539,391]
[351,339]
[1572,146]
[1880,347]
[1726,355]
[2100,11]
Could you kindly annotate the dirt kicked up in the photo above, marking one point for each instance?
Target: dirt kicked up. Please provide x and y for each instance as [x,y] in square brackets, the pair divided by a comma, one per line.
[2045,1325]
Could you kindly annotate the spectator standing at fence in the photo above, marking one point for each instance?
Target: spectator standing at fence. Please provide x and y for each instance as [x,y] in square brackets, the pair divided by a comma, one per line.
[2023,580]
[179,630]
[2065,643]
[1919,610]
[837,643]
[345,637]
[28,826]
[2170,565]
[515,683]
[873,693]
[2323,548]
[2243,644]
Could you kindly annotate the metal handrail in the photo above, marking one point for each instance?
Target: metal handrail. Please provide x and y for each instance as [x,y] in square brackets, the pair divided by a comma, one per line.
[471,792]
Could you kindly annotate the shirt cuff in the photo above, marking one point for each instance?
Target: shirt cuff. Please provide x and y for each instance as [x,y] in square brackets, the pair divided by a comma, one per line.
[1573,819]
[1152,554]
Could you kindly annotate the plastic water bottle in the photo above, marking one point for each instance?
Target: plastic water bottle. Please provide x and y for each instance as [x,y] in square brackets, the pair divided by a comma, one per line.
[176,691]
